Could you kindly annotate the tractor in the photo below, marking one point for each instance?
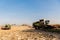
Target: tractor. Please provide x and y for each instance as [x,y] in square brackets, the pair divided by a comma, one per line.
[6,27]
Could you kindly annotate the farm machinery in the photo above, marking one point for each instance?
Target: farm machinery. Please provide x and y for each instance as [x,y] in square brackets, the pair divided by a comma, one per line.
[42,24]
[6,27]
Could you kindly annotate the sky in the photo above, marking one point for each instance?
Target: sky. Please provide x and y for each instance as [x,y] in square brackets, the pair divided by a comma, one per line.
[29,11]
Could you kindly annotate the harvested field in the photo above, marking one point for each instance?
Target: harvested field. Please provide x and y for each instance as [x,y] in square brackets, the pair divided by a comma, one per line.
[27,33]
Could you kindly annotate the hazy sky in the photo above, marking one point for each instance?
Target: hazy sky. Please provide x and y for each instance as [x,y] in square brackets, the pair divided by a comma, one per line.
[28,11]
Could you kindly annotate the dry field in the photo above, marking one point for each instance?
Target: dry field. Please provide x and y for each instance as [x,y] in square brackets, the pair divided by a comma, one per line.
[26,33]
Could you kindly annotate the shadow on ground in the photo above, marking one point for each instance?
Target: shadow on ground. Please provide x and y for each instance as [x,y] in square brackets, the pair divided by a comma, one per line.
[43,30]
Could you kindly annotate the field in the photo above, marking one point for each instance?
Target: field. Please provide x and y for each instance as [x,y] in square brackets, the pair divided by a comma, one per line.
[27,33]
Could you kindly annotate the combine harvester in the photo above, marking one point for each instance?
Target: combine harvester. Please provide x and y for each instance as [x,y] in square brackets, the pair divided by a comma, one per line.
[44,25]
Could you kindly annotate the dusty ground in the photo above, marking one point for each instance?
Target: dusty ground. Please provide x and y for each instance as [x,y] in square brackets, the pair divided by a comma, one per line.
[27,33]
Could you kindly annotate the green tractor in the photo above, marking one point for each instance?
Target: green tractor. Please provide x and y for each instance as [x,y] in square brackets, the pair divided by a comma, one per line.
[42,24]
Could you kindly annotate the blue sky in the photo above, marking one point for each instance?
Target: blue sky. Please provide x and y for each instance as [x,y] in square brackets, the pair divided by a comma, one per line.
[28,11]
